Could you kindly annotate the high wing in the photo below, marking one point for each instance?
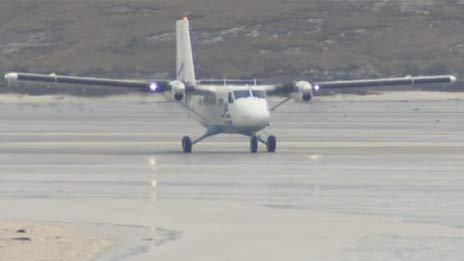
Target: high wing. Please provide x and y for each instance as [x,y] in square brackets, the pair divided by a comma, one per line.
[156,86]
[307,88]
[138,85]
[385,82]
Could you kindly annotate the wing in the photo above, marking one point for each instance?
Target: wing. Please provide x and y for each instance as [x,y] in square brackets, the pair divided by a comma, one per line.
[385,82]
[307,88]
[156,86]
[138,85]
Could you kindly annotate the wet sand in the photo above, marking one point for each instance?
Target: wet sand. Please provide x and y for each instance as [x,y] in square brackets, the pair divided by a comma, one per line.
[377,179]
[26,240]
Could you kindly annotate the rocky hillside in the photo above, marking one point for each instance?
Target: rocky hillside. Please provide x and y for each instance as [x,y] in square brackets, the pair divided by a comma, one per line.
[272,39]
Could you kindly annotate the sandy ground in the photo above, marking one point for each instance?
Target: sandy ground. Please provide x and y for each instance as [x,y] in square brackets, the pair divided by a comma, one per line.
[235,231]
[396,96]
[42,241]
[351,180]
[140,98]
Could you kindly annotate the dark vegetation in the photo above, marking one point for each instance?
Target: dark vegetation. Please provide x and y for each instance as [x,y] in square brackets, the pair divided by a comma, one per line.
[266,39]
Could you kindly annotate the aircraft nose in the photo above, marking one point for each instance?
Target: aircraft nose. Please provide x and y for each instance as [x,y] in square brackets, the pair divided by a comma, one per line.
[253,113]
[261,116]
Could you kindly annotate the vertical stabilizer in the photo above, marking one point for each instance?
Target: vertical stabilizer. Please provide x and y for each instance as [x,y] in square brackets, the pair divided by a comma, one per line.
[185,69]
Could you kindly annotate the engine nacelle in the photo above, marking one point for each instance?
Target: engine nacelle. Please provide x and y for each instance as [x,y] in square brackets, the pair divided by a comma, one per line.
[177,90]
[303,91]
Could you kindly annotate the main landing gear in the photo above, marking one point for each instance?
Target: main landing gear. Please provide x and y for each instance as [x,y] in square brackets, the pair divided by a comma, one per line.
[270,142]
[187,144]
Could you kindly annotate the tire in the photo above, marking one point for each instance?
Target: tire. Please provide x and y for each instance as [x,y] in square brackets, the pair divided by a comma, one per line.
[187,144]
[254,144]
[271,143]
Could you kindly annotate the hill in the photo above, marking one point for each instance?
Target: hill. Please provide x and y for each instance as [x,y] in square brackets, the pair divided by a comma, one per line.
[272,39]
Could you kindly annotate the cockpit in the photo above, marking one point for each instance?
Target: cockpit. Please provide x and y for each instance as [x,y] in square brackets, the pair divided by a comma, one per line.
[239,94]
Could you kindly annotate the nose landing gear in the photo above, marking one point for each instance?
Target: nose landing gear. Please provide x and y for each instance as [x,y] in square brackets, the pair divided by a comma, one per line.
[254,144]
[271,143]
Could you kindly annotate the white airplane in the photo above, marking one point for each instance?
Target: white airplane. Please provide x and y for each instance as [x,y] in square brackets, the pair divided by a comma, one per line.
[224,106]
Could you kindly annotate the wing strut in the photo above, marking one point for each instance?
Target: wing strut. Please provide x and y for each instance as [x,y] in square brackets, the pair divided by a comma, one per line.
[194,112]
[281,103]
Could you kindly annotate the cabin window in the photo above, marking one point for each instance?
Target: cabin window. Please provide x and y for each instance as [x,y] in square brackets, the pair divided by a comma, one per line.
[231,99]
[242,94]
[259,94]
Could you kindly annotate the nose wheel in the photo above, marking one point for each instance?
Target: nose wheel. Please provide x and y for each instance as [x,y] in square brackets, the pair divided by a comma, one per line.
[253,144]
[271,143]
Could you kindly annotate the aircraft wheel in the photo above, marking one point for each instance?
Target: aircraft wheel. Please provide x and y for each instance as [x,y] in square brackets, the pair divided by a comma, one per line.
[187,144]
[254,144]
[271,143]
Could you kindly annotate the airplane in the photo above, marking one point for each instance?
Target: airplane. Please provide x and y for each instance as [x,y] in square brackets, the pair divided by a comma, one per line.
[224,106]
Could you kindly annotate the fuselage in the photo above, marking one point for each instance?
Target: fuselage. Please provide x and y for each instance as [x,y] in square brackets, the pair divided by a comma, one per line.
[231,109]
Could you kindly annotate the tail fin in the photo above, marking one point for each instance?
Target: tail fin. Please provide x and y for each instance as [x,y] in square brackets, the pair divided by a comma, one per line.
[185,69]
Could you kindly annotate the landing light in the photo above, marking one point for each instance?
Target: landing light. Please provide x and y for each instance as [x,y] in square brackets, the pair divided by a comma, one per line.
[316,87]
[153,87]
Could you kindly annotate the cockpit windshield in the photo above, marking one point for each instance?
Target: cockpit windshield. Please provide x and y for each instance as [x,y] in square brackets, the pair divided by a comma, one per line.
[242,94]
[259,94]
[246,93]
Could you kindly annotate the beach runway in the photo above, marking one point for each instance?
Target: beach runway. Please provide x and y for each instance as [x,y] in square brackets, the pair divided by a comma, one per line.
[351,180]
